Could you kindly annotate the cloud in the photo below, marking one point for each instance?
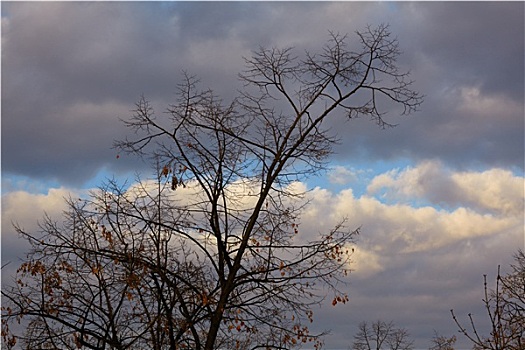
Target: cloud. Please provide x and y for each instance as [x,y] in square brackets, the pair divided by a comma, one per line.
[426,178]
[26,210]
[366,263]
[397,228]
[495,191]
[16,204]
[341,175]
[65,87]
[456,49]
[500,28]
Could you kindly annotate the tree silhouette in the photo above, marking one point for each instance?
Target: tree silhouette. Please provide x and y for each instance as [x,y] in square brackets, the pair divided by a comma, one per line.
[208,254]
[441,342]
[381,335]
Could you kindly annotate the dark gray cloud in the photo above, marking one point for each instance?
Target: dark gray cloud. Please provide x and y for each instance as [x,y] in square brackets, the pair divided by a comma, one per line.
[455,50]
[478,43]
[70,70]
[67,78]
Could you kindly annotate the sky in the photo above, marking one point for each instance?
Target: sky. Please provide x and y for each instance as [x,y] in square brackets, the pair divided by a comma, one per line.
[439,198]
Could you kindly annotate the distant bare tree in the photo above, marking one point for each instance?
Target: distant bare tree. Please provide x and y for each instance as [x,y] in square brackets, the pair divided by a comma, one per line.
[209,254]
[381,335]
[441,342]
[505,306]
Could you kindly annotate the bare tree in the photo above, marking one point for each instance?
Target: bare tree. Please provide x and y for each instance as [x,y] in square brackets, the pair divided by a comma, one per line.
[381,335]
[209,254]
[441,342]
[505,306]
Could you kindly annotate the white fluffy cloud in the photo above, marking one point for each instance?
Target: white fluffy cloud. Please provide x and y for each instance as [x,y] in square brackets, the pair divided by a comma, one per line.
[25,209]
[341,175]
[389,230]
[470,209]
[496,191]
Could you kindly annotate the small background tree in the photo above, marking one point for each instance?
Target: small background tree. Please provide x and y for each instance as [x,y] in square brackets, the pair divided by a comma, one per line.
[381,335]
[441,342]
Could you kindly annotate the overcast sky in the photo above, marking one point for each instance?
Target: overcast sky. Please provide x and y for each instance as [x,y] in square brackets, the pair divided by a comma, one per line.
[439,197]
